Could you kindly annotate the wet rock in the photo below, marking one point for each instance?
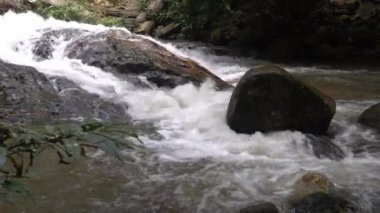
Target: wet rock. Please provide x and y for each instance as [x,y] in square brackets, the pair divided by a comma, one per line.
[367,10]
[323,147]
[265,207]
[315,192]
[44,46]
[309,183]
[371,117]
[140,18]
[323,202]
[268,98]
[29,96]
[135,57]
[156,6]
[14,5]
[166,31]
[146,27]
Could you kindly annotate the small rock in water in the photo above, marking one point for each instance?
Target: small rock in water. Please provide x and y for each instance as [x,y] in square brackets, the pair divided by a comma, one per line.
[323,203]
[371,117]
[268,98]
[43,47]
[316,193]
[310,183]
[265,207]
[323,147]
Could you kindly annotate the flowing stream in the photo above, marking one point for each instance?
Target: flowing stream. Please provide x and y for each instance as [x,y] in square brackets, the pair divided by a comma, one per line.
[198,164]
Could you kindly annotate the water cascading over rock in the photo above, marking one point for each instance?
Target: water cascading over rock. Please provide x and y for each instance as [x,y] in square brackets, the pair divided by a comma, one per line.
[132,56]
[27,95]
[268,98]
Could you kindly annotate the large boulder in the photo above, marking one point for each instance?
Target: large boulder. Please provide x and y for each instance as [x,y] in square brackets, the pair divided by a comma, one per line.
[268,98]
[29,96]
[371,117]
[135,57]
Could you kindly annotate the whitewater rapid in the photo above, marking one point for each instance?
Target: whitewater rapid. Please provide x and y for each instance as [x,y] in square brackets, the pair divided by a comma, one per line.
[236,168]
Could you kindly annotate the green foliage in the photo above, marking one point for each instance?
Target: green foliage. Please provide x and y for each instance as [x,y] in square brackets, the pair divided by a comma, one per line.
[21,145]
[143,4]
[193,13]
[217,16]
[111,21]
[76,12]
[69,12]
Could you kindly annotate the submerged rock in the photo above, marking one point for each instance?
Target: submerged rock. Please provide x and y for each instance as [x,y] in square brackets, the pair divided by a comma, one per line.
[371,117]
[323,202]
[29,96]
[268,98]
[365,148]
[44,46]
[309,183]
[136,57]
[323,147]
[265,207]
[315,193]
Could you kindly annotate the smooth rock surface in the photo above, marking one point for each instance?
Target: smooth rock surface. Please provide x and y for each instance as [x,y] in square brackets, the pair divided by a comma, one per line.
[268,98]
[371,117]
[135,57]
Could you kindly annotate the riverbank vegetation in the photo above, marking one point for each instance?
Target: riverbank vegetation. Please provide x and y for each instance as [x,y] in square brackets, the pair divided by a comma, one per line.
[21,145]
[76,11]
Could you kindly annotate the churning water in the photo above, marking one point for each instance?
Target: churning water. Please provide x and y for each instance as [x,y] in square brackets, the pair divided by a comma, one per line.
[199,164]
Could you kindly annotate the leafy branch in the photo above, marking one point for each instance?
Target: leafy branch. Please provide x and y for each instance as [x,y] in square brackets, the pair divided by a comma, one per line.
[21,145]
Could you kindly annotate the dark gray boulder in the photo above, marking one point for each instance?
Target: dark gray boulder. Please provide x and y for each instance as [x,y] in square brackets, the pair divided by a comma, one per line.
[371,117]
[264,207]
[29,96]
[268,98]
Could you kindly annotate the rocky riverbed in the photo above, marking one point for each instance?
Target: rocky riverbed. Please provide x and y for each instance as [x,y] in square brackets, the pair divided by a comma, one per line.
[54,70]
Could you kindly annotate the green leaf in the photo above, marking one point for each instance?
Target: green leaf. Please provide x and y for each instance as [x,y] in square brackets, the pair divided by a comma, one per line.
[104,143]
